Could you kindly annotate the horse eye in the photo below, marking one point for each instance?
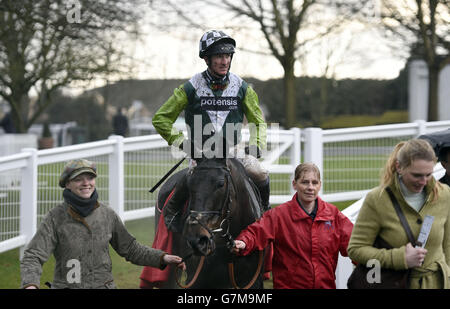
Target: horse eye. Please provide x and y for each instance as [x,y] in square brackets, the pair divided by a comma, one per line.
[220,183]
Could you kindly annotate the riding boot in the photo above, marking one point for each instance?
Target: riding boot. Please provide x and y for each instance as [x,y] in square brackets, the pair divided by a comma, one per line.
[264,191]
[173,211]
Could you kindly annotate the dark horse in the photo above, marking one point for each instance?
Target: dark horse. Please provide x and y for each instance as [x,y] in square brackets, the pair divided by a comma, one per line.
[222,202]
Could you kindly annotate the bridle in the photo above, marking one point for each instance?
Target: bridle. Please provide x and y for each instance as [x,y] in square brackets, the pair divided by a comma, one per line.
[195,216]
[223,230]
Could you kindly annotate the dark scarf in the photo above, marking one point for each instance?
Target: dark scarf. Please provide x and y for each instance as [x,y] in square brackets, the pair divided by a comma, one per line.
[81,205]
[216,83]
[313,212]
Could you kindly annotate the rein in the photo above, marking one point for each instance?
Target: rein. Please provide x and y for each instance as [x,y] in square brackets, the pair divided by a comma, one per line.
[195,216]
[255,276]
[197,272]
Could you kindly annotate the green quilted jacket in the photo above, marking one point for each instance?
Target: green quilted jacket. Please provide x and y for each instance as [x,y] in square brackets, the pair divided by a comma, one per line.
[81,249]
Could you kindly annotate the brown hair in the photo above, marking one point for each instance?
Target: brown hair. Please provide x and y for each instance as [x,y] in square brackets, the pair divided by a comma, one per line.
[405,153]
[306,167]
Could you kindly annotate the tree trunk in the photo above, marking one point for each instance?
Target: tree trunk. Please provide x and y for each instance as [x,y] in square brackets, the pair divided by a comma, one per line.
[433,83]
[19,110]
[319,109]
[15,118]
[289,96]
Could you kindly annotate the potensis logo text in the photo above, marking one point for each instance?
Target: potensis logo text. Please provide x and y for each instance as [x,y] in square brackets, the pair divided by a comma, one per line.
[221,103]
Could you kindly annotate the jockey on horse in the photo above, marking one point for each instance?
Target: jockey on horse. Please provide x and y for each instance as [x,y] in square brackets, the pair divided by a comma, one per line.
[214,100]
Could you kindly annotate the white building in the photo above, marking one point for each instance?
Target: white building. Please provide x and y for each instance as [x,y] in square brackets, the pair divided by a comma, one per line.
[418,91]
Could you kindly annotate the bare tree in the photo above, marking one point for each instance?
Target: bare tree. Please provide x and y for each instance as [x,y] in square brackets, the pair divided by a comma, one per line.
[280,22]
[332,51]
[48,44]
[425,26]
[285,26]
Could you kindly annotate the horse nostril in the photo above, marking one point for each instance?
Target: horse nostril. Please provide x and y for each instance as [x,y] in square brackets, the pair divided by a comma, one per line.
[203,241]
[202,245]
[207,244]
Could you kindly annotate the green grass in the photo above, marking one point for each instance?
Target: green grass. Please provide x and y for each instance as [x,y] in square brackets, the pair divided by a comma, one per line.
[346,121]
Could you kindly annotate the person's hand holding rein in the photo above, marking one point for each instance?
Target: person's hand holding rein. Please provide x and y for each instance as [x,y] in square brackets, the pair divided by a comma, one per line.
[239,245]
[173,259]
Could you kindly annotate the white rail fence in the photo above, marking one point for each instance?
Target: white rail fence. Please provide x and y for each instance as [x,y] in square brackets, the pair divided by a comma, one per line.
[349,159]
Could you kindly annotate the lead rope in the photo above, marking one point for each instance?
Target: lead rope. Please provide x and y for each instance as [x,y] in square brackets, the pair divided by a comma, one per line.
[197,272]
[231,245]
[255,276]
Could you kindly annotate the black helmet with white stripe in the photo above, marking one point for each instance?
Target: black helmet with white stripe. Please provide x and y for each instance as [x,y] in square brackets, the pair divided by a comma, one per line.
[215,42]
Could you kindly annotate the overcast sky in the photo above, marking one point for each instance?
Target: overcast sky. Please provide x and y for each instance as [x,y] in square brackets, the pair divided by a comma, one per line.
[170,56]
[356,52]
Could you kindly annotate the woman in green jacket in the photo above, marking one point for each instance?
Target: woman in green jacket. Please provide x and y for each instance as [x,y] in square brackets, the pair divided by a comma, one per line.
[408,172]
[78,232]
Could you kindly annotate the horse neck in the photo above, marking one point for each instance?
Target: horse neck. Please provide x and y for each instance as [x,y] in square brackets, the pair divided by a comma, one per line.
[241,212]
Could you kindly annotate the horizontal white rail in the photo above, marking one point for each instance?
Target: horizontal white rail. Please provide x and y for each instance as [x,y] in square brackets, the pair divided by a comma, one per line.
[383,131]
[13,243]
[67,153]
[144,142]
[14,161]
[139,213]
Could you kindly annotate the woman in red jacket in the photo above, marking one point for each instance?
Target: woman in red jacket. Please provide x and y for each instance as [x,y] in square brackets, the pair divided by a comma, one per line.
[307,235]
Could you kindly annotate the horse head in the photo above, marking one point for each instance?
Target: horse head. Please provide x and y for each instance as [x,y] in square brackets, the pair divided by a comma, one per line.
[210,188]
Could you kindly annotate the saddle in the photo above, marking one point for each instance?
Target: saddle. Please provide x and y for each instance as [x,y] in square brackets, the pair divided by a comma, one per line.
[254,194]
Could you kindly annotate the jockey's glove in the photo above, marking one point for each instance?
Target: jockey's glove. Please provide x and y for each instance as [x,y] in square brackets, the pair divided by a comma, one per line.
[181,146]
[253,150]
[188,150]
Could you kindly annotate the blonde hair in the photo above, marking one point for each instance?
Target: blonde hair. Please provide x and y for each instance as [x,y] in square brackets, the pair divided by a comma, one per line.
[405,153]
[306,167]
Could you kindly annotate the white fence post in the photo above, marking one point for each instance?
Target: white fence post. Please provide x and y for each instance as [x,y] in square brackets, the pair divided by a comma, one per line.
[343,271]
[296,151]
[314,148]
[28,198]
[116,177]
[422,127]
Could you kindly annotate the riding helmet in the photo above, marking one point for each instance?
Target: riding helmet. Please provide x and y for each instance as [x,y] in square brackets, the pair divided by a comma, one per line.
[215,42]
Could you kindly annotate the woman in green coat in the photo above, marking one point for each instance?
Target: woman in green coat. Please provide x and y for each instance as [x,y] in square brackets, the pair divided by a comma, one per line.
[408,172]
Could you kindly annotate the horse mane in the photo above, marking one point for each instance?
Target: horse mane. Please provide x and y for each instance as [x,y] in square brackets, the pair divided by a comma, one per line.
[211,163]
[241,184]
